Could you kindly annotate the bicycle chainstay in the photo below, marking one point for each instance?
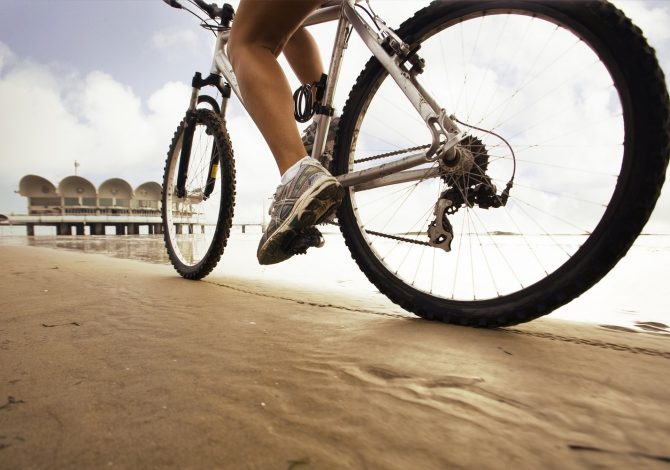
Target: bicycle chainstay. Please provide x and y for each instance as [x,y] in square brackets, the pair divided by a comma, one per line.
[386,155]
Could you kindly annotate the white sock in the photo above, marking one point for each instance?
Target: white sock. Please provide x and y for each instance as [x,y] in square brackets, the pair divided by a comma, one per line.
[292,170]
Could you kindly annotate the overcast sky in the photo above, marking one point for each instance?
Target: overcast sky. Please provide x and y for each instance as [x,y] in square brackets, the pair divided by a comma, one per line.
[104,82]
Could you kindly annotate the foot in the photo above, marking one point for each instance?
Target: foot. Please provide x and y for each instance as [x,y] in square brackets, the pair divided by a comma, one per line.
[310,197]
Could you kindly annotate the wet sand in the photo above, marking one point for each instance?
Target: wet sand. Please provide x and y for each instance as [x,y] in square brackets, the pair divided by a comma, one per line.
[117,363]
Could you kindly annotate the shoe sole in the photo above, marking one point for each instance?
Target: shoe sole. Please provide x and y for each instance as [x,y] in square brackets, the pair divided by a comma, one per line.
[310,209]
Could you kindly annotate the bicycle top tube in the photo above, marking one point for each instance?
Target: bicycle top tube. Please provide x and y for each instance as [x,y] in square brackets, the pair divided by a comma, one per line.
[329,11]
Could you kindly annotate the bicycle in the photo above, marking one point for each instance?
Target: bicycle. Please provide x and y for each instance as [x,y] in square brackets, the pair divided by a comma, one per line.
[541,175]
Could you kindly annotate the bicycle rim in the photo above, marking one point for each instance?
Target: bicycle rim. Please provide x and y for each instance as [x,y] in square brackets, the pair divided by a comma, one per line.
[533,80]
[191,222]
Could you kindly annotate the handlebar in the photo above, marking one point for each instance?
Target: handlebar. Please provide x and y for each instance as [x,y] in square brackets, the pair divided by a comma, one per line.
[211,9]
[173,3]
[225,13]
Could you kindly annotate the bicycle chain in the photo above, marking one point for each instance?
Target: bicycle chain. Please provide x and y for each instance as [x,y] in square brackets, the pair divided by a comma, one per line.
[386,235]
[379,157]
[395,237]
[391,154]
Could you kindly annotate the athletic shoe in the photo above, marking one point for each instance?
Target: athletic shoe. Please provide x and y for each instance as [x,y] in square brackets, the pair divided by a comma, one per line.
[306,200]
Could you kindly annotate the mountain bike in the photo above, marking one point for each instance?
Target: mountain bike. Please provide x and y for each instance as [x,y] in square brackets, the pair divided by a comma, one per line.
[499,157]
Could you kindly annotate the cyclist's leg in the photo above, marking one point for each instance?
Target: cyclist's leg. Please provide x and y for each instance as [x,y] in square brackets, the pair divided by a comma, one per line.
[302,54]
[309,193]
[260,32]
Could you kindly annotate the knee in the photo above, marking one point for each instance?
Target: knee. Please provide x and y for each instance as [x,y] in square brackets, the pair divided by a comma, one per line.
[239,48]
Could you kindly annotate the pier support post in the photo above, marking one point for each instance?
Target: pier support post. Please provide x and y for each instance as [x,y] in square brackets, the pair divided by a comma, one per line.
[64,229]
[80,229]
[244,228]
[158,229]
[120,230]
[132,229]
[190,229]
[30,230]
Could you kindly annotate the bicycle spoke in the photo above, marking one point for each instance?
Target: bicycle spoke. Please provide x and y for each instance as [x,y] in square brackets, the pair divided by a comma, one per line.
[542,89]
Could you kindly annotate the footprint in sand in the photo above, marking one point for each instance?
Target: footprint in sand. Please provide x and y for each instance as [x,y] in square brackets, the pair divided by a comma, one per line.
[641,327]
[450,381]
[653,326]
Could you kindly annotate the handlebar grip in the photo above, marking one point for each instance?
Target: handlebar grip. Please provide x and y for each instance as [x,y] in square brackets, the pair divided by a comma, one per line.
[173,3]
[207,8]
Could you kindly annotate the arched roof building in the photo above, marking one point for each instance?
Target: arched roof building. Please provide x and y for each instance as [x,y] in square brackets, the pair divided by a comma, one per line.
[36,186]
[149,191]
[76,194]
[147,196]
[115,192]
[41,194]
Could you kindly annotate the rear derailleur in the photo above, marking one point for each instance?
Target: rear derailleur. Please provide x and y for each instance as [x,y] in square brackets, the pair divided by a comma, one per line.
[469,186]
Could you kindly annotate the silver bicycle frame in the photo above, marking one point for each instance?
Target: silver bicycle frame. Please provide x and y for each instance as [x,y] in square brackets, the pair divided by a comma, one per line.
[444,131]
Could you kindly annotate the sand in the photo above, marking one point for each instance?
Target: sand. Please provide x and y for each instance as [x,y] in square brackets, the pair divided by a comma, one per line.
[117,363]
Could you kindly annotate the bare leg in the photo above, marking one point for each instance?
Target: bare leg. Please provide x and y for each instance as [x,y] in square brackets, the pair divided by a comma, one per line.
[260,32]
[303,56]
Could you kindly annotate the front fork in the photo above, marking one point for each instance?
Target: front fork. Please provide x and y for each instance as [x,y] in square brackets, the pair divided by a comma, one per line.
[189,129]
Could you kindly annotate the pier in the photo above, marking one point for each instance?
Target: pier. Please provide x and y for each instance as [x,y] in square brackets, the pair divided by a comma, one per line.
[87,224]
[77,207]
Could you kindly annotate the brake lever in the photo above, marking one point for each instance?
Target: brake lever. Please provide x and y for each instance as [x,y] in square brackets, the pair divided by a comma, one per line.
[173,3]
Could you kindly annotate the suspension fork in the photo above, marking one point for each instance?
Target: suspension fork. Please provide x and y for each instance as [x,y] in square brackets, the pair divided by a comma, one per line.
[189,129]
[214,160]
[187,143]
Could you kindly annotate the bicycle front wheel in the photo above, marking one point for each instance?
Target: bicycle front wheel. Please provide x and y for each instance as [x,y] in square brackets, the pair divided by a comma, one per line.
[197,218]
[563,103]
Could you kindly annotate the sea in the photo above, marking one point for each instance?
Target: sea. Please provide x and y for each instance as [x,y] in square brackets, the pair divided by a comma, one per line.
[634,296]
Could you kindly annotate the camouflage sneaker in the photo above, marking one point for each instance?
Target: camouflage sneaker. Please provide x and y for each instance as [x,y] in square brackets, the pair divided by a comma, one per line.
[309,134]
[307,199]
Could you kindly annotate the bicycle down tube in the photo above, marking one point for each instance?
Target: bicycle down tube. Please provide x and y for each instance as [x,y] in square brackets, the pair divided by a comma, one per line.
[439,124]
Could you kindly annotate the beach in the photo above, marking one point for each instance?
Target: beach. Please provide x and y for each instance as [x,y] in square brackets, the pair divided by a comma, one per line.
[119,363]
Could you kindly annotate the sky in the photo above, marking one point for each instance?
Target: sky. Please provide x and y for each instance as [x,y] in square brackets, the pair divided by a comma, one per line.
[105,83]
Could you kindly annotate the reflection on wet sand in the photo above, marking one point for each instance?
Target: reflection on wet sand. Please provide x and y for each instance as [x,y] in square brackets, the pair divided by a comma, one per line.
[149,248]
[632,298]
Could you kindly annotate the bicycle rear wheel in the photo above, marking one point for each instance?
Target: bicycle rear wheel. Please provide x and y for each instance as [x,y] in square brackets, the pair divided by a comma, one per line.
[578,94]
[196,224]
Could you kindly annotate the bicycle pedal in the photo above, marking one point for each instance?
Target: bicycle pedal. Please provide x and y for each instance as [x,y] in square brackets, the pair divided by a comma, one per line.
[305,239]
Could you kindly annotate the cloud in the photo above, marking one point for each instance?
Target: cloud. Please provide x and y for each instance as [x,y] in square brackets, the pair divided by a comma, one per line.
[653,20]
[6,56]
[93,119]
[171,44]
[57,116]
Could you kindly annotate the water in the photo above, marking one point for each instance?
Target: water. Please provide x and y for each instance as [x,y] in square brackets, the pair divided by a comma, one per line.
[632,295]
